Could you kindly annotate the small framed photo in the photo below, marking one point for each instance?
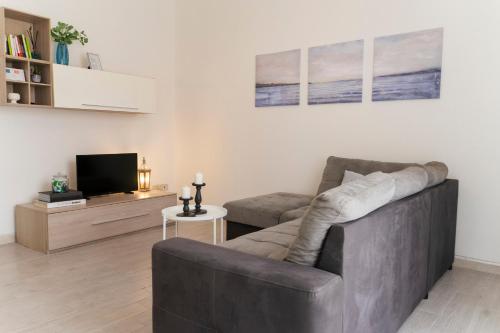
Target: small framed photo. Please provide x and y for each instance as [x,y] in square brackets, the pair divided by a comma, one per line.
[94,61]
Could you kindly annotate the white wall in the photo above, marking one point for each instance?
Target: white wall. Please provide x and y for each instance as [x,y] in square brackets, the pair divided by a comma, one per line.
[246,151]
[37,143]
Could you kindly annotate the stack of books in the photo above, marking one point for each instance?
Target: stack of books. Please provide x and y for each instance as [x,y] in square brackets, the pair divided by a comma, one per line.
[51,199]
[18,46]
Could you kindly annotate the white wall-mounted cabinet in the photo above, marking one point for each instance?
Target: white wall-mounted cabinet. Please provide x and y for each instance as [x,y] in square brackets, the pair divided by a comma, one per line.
[81,88]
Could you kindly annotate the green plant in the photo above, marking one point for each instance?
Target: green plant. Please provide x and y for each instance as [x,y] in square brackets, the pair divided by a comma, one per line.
[65,34]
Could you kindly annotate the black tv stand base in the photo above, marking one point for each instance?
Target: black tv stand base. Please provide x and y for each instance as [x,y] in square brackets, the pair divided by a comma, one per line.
[106,195]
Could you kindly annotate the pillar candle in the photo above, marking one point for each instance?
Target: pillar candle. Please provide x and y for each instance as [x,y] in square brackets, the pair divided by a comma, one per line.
[198,178]
[186,192]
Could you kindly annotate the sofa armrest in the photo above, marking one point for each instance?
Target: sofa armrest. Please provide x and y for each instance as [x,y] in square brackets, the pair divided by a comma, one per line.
[382,259]
[204,288]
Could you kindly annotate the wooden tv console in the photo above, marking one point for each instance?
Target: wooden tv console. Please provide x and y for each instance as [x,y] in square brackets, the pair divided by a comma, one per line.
[49,230]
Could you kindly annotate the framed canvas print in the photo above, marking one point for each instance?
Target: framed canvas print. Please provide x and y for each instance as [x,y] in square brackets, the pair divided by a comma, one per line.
[336,73]
[408,66]
[277,79]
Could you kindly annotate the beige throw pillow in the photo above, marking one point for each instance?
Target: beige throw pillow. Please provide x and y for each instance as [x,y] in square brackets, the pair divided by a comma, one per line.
[344,203]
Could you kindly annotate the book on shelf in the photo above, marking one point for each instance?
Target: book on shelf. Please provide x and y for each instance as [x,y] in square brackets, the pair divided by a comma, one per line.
[18,46]
[49,196]
[28,47]
[9,48]
[59,204]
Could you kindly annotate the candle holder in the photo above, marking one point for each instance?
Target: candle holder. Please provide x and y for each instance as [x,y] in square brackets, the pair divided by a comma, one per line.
[197,200]
[185,209]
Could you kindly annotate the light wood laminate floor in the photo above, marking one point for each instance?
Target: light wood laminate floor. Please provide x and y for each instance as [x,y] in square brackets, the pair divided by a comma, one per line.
[106,287]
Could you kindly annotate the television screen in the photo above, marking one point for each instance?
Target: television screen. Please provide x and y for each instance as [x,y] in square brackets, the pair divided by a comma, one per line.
[106,173]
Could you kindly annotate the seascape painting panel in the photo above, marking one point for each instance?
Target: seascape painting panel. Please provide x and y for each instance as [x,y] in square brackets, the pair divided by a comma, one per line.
[408,66]
[336,73]
[277,79]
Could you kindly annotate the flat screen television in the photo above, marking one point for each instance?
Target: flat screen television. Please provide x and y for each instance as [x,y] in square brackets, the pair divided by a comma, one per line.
[106,173]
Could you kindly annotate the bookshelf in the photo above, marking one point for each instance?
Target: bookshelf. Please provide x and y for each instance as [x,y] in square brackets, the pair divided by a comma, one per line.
[32,94]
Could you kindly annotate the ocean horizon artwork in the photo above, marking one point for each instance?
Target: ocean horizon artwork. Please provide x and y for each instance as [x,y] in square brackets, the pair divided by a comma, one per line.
[408,66]
[277,79]
[336,73]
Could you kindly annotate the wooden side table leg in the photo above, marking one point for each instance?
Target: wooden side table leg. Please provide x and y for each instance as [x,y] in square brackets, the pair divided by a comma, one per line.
[176,228]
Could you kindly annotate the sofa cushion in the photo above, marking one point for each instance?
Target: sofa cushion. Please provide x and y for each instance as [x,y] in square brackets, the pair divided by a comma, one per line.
[349,176]
[265,210]
[341,204]
[336,167]
[271,243]
[409,181]
[293,214]
[437,172]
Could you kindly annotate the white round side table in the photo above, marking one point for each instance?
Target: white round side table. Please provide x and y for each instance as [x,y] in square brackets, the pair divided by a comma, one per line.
[214,213]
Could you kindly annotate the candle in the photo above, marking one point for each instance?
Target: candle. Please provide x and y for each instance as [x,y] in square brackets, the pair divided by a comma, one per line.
[186,192]
[198,178]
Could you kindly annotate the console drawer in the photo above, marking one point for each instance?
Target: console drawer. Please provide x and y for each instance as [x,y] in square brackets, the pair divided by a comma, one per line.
[80,226]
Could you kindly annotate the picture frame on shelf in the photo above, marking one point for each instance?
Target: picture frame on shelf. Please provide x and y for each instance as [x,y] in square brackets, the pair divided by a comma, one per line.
[94,61]
[14,74]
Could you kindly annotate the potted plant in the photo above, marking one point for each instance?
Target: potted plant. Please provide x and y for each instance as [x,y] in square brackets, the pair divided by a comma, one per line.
[36,74]
[64,35]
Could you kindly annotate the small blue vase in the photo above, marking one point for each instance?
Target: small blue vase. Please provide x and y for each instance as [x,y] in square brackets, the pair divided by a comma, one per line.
[62,55]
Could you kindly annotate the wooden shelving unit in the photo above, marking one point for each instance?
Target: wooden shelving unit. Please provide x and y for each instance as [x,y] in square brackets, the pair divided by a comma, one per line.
[32,94]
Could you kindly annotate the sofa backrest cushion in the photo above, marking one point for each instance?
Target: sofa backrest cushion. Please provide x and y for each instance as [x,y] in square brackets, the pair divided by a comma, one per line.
[341,204]
[336,166]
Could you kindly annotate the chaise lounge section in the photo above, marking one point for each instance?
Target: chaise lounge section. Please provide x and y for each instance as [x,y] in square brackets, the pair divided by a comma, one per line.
[257,213]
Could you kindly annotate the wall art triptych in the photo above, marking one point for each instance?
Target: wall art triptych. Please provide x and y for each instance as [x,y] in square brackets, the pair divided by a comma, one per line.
[405,66]
[277,79]
[336,73]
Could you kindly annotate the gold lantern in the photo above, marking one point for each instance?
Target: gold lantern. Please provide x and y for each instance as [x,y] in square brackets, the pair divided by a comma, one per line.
[144,177]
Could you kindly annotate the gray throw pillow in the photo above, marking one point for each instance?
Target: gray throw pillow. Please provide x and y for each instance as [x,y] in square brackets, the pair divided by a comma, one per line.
[349,176]
[437,172]
[344,203]
[409,181]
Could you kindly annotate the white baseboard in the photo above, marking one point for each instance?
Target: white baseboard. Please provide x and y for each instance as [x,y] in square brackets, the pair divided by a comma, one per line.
[7,238]
[477,265]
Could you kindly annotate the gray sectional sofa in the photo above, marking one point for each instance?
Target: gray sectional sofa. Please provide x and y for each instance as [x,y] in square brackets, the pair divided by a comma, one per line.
[370,274]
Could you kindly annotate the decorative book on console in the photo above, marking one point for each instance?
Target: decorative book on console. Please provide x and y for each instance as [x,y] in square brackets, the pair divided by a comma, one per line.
[51,199]
[59,204]
[50,196]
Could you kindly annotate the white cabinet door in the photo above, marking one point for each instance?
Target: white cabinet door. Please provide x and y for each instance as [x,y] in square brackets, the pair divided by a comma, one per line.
[80,88]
